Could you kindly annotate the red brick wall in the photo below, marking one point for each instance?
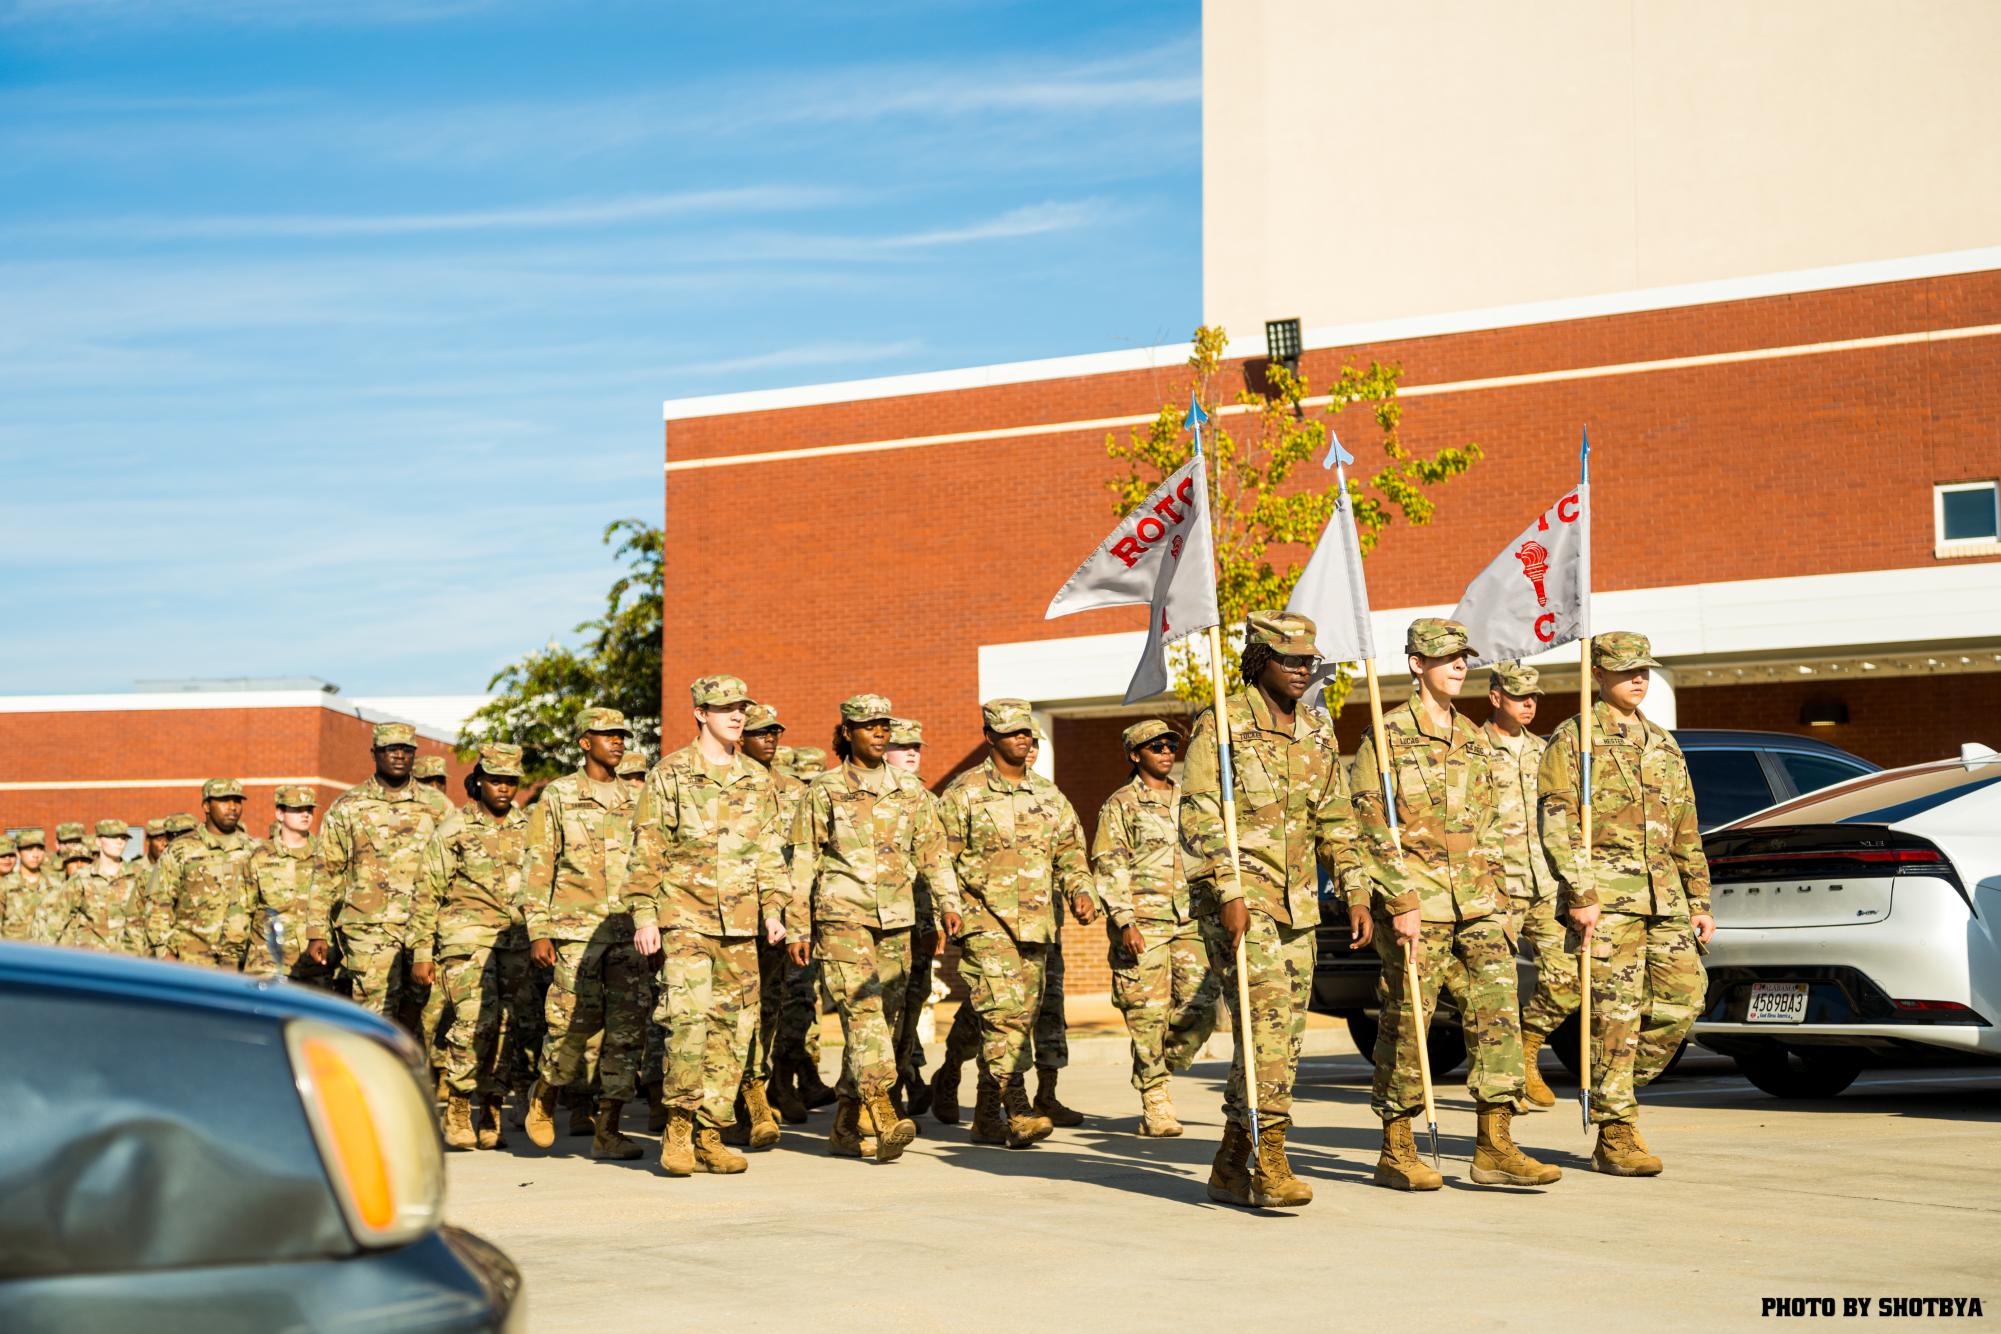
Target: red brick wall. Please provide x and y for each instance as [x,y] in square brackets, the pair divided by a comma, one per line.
[1902,720]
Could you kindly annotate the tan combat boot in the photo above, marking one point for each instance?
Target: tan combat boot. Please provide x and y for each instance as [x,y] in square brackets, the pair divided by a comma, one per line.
[1273,1186]
[607,1140]
[1156,1114]
[892,1132]
[764,1130]
[540,1122]
[1400,1168]
[459,1133]
[1497,1161]
[1539,1094]
[1229,1175]
[1024,1124]
[582,1119]
[989,1126]
[490,1136]
[1046,1104]
[712,1155]
[945,1091]
[845,1139]
[1620,1153]
[677,1148]
[656,1107]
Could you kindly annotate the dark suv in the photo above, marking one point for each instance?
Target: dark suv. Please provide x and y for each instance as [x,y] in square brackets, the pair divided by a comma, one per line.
[1734,774]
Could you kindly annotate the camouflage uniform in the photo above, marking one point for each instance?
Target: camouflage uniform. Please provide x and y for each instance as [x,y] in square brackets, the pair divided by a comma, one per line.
[10,880]
[109,909]
[1167,992]
[1516,762]
[1018,857]
[466,903]
[284,879]
[177,826]
[573,883]
[772,963]
[69,839]
[1647,875]
[799,1012]
[1293,818]
[923,937]
[202,893]
[371,849]
[709,867]
[1447,859]
[25,890]
[861,840]
[51,924]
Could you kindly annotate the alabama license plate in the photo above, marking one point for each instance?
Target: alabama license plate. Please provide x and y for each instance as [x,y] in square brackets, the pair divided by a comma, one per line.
[1777,1003]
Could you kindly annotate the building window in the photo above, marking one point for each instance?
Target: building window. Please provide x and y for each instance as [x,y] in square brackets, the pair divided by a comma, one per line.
[1967,518]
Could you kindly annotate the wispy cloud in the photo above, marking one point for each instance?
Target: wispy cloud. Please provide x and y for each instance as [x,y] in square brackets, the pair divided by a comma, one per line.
[1032,220]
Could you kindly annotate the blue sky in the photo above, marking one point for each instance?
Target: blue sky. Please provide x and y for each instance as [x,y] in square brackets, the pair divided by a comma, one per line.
[336,330]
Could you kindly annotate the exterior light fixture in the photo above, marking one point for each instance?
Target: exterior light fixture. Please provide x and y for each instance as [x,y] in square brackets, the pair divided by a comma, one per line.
[1282,343]
[1824,713]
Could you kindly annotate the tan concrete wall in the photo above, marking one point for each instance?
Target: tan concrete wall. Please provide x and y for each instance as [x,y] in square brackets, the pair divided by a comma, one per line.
[1368,161]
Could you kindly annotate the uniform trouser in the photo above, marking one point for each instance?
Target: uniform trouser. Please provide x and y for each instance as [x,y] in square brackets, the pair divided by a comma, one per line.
[469,1048]
[1278,969]
[1168,996]
[376,964]
[1052,1028]
[599,985]
[1646,989]
[865,968]
[1488,1008]
[771,964]
[1555,998]
[708,1004]
[916,995]
[798,1038]
[227,957]
[522,1038]
[1004,980]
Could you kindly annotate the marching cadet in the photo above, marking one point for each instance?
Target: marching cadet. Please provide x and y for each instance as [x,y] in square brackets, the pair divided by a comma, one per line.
[1050,1039]
[1441,887]
[10,857]
[110,902]
[1018,856]
[861,839]
[58,907]
[466,901]
[1161,979]
[1292,812]
[709,867]
[69,838]
[283,872]
[1513,693]
[574,872]
[756,1124]
[201,895]
[371,849]
[1642,904]
[430,771]
[26,885]
[632,768]
[178,826]
[927,940]
[156,843]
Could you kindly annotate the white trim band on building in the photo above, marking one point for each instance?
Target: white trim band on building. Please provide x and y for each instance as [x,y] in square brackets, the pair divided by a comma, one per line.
[135,784]
[172,701]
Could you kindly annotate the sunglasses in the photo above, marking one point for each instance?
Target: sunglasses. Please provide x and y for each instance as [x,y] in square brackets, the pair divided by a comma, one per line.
[1298,662]
[1165,745]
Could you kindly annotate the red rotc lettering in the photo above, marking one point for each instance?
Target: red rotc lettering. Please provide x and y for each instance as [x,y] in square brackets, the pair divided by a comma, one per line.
[1150,530]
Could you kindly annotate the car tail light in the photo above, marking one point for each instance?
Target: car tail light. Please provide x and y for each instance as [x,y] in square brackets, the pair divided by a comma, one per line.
[1940,1012]
[377,1137]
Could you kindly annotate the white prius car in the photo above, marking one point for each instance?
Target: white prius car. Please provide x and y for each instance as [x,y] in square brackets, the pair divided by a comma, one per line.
[1859,923]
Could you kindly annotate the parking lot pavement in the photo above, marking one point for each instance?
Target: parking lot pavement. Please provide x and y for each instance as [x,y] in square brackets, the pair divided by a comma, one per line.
[1889,1190]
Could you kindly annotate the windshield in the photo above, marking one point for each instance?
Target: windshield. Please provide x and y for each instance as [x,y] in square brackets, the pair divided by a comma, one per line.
[1883,798]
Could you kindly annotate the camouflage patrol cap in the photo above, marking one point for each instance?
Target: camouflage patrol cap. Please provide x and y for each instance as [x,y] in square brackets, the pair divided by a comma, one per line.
[1007,715]
[76,852]
[497,759]
[632,762]
[597,718]
[113,829]
[809,760]
[1142,732]
[30,838]
[1436,637]
[295,797]
[761,718]
[70,831]
[1511,678]
[1282,632]
[712,692]
[156,827]
[7,848]
[1621,651]
[906,732]
[180,823]
[866,708]
[394,734]
[216,788]
[428,766]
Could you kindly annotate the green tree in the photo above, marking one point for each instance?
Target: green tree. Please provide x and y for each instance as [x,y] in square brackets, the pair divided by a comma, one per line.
[1254,507]
[617,664]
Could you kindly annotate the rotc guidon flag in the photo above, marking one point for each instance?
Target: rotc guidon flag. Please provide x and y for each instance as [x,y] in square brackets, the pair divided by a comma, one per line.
[1330,591]
[1160,554]
[1537,593]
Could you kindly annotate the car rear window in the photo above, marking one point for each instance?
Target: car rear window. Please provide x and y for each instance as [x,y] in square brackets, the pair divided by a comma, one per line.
[1884,798]
[1810,773]
[1729,784]
[149,1136]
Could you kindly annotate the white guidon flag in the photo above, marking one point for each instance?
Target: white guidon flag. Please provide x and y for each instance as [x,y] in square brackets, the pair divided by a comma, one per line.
[1160,554]
[1537,593]
[1330,591]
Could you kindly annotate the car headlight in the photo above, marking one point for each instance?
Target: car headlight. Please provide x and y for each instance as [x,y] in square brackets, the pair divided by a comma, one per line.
[375,1131]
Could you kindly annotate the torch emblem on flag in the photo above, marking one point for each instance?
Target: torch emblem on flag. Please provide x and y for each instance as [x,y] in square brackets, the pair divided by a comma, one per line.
[1535,564]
